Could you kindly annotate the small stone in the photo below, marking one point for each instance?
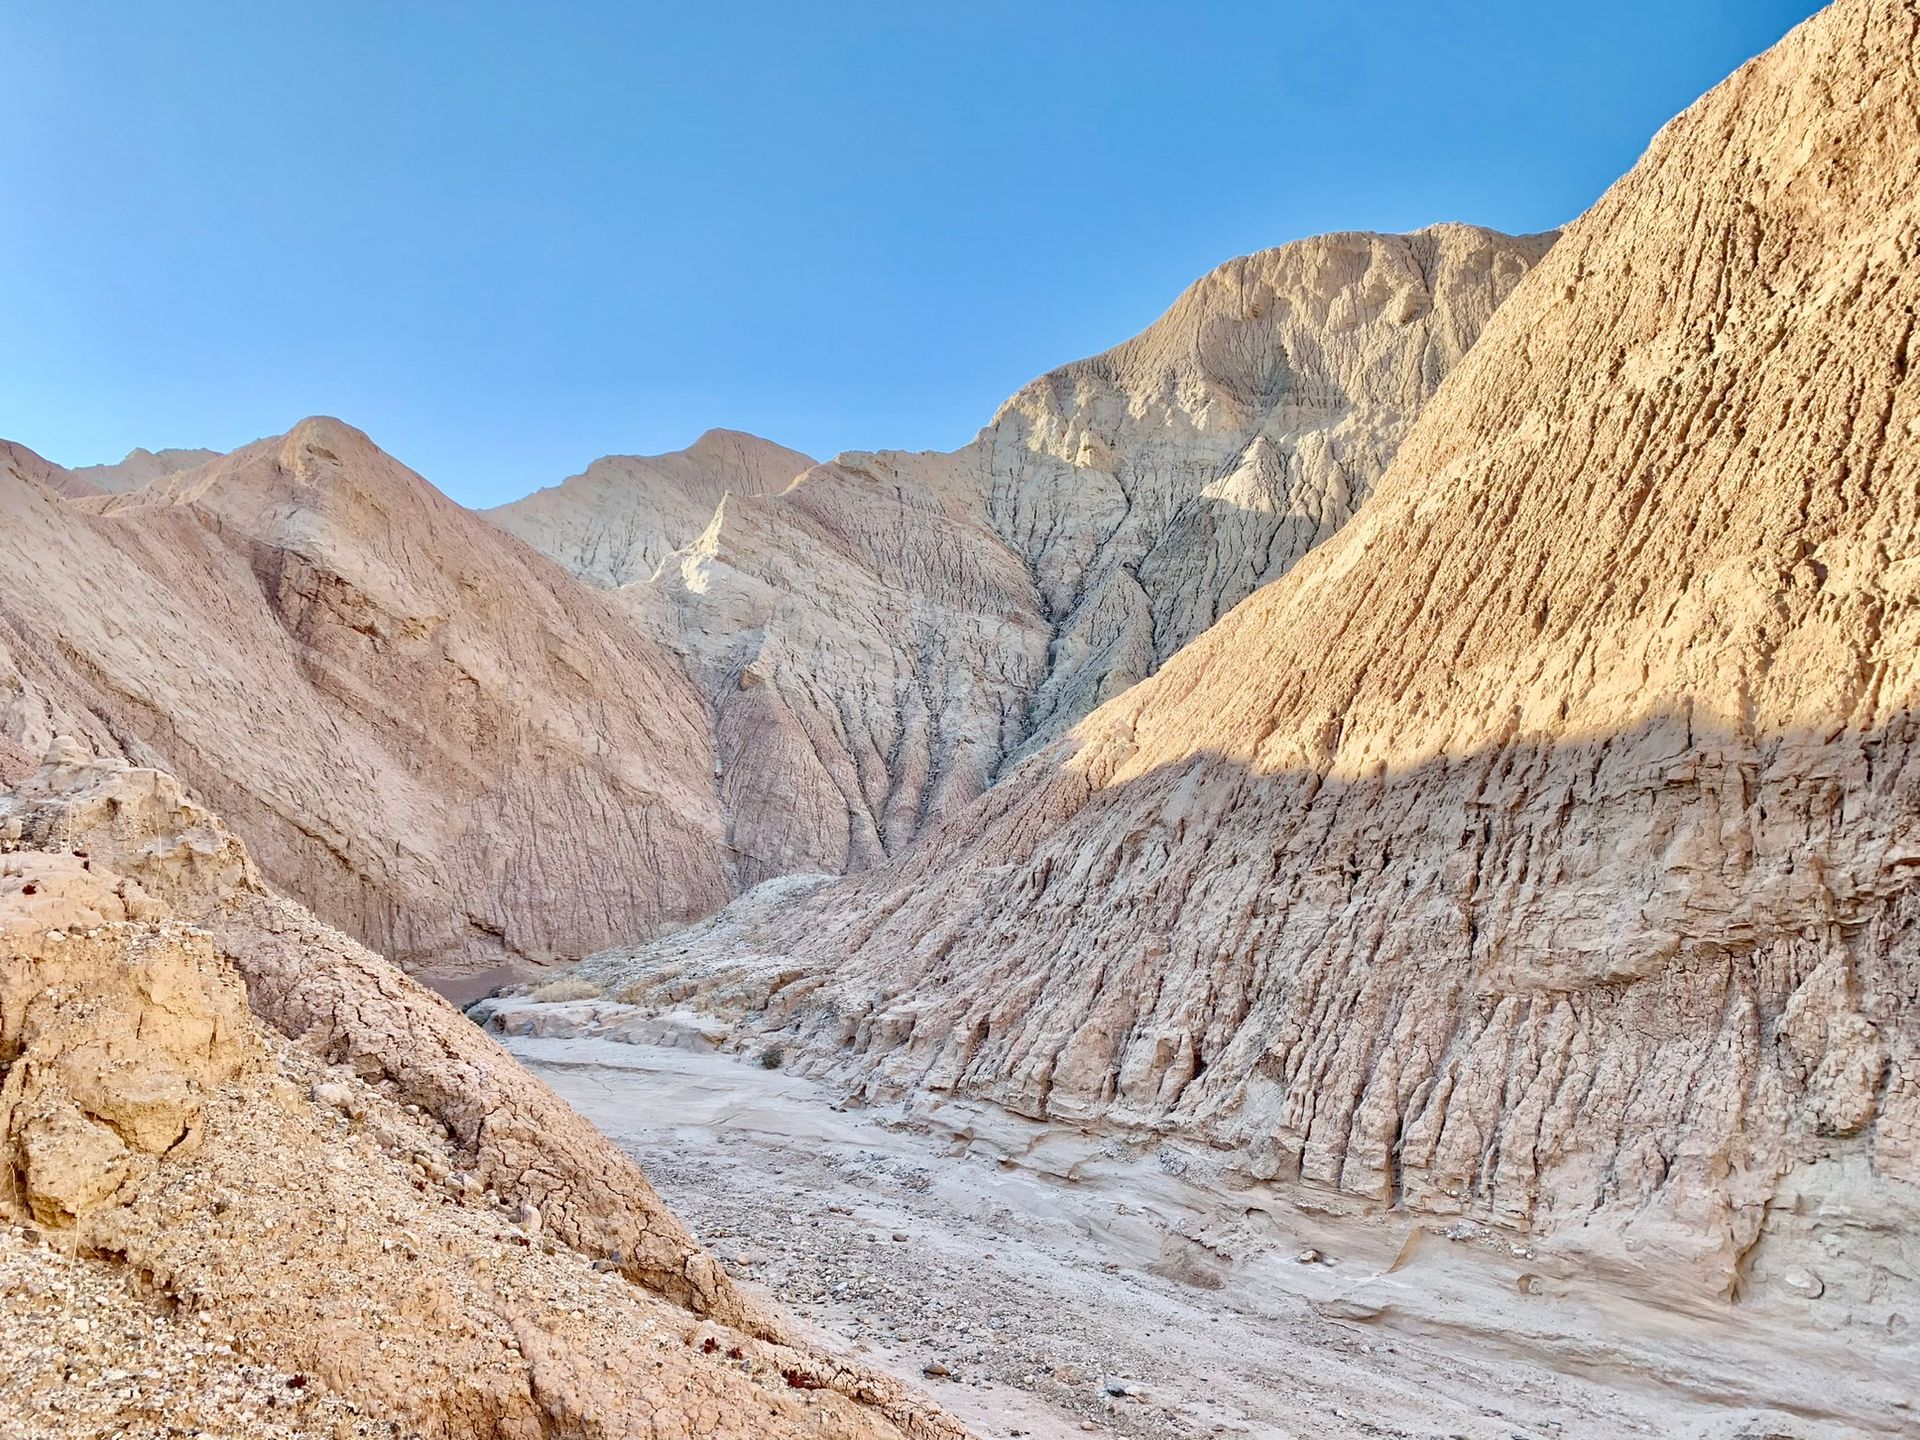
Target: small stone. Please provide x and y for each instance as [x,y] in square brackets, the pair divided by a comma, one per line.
[936,1369]
[1309,1257]
[1804,1283]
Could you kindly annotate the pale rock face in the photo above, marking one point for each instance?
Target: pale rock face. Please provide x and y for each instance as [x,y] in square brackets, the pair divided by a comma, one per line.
[434,736]
[616,522]
[868,645]
[388,1207]
[1542,846]
[1152,488]
[881,637]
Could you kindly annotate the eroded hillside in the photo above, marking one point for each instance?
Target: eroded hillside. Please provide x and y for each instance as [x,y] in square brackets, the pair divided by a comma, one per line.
[1541,847]
[881,637]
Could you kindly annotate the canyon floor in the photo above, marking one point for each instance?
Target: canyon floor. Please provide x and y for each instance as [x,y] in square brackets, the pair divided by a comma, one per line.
[1025,1274]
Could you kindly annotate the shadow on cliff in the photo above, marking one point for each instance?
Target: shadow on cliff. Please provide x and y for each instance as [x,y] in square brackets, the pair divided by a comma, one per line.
[1659,986]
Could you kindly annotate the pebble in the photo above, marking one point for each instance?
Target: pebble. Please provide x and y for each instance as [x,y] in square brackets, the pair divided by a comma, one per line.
[1804,1282]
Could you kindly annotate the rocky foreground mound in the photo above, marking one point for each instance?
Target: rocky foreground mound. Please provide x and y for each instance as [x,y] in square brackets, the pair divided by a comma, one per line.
[319,1201]
[1543,846]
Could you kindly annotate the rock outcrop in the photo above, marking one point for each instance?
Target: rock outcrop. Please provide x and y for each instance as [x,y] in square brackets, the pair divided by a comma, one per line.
[1542,847]
[357,1188]
[433,736]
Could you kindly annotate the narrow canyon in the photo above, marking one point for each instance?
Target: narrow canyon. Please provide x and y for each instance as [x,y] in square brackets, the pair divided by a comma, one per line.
[1349,867]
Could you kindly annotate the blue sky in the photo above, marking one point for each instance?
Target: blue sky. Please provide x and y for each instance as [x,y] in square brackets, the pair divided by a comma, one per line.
[506,238]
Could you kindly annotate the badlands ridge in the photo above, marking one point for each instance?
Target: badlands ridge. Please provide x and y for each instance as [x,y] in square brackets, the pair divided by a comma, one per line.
[1426,729]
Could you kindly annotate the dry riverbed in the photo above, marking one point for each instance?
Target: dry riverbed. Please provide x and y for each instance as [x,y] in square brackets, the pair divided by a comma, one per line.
[1046,1283]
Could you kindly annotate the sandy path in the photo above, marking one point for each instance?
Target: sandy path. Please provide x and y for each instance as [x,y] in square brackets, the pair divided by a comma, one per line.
[1044,1268]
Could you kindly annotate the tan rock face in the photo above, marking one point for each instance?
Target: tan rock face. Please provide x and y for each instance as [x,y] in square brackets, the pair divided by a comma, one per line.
[388,1212]
[439,740]
[116,1025]
[1541,846]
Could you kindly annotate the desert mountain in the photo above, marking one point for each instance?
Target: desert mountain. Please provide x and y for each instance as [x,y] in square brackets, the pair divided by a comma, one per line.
[1541,846]
[433,736]
[140,467]
[614,523]
[449,748]
[880,637]
[263,1184]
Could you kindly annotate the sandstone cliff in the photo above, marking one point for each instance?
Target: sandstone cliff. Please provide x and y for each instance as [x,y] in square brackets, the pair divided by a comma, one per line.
[437,739]
[1542,845]
[356,1192]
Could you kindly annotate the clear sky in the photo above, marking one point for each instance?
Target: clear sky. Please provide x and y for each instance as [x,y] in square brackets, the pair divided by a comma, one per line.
[506,238]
